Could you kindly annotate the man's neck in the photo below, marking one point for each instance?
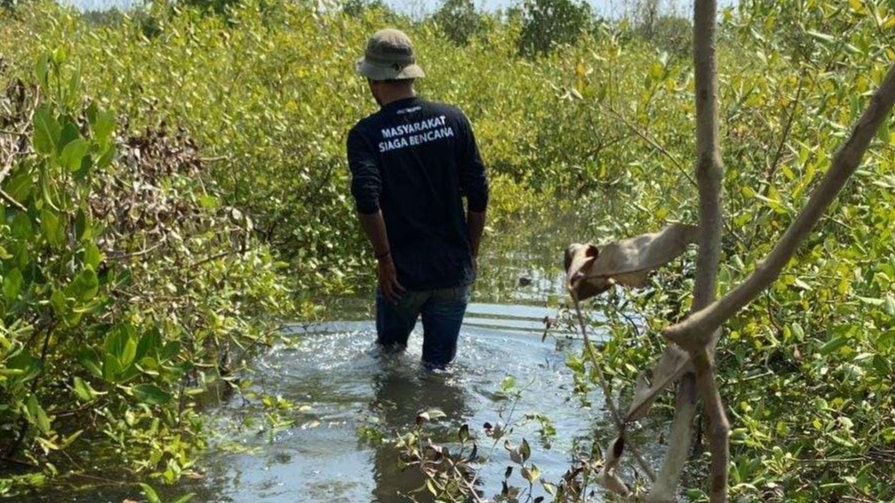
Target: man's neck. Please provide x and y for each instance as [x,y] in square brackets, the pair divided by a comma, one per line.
[397,96]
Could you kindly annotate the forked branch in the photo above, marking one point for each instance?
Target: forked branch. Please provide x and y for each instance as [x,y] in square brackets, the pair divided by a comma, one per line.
[695,331]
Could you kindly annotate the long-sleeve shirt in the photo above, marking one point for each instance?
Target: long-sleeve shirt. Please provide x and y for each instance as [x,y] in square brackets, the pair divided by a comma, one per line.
[416,160]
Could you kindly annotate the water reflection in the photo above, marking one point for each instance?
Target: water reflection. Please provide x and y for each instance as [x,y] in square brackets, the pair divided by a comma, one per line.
[402,389]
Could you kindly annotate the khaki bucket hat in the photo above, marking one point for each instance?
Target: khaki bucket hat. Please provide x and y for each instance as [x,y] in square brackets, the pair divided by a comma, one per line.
[389,56]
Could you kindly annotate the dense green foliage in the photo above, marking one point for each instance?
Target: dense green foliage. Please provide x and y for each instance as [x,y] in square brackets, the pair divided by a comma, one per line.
[97,322]
[128,286]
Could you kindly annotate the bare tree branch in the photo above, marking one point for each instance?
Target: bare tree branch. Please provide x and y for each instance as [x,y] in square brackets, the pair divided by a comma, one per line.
[718,426]
[694,331]
[613,409]
[679,442]
[9,199]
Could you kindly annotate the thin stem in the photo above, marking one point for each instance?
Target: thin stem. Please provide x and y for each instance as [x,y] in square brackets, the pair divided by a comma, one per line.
[613,409]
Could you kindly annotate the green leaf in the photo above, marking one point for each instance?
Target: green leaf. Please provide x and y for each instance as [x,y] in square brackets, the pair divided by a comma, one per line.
[208,202]
[185,498]
[21,227]
[12,284]
[80,224]
[886,341]
[464,433]
[150,493]
[73,154]
[83,390]
[822,36]
[150,342]
[52,227]
[889,305]
[19,185]
[89,358]
[170,350]
[111,368]
[801,284]
[38,415]
[74,85]
[27,366]
[122,344]
[70,133]
[60,305]
[92,255]
[85,285]
[525,450]
[106,159]
[151,394]
[103,127]
[531,474]
[115,341]
[882,366]
[47,131]
[42,70]
[833,344]
[71,438]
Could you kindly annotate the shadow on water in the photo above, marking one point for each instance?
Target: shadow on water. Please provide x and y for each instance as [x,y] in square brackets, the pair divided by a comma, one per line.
[400,392]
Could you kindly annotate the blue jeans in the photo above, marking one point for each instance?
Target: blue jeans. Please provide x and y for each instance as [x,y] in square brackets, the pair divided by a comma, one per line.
[442,311]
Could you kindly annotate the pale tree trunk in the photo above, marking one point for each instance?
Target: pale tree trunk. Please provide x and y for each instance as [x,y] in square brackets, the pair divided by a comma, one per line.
[709,176]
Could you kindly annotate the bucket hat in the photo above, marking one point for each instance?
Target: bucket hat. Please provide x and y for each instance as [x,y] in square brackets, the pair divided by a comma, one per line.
[389,56]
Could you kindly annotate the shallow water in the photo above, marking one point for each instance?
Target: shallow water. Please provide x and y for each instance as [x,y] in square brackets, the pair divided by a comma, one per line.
[346,394]
[349,385]
[343,388]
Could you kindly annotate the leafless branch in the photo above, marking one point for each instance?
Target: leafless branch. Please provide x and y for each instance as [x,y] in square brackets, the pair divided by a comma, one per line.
[695,330]
[9,199]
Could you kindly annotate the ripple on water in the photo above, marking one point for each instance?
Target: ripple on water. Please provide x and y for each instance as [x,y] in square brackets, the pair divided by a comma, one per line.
[337,371]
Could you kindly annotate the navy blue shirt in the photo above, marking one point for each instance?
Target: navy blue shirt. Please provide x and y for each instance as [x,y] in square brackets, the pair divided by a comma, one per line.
[416,160]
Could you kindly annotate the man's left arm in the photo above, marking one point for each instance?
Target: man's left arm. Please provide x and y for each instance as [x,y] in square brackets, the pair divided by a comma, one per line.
[475,222]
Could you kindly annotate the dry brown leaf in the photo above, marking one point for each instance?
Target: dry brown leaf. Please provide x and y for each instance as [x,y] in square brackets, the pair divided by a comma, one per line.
[591,270]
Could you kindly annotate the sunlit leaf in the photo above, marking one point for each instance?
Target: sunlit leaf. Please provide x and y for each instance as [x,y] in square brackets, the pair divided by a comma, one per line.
[47,131]
[12,284]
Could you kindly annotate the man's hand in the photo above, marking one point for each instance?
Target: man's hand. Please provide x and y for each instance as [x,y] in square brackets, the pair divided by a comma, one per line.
[374,227]
[388,280]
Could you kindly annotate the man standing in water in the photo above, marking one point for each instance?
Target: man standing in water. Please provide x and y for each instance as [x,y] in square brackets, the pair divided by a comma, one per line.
[412,162]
